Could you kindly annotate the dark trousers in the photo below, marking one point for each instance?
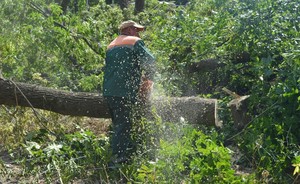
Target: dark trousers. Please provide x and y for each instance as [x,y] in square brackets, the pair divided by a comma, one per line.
[121,141]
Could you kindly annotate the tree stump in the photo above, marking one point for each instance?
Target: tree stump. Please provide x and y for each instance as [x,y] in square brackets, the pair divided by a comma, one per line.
[239,110]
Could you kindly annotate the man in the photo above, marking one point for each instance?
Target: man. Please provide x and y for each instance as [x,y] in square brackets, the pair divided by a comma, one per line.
[128,78]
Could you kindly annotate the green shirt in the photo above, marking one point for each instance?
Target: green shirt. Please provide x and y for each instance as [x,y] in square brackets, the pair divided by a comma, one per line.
[127,59]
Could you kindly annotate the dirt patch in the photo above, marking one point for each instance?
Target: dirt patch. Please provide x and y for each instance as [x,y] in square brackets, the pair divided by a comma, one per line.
[236,157]
[96,125]
[9,171]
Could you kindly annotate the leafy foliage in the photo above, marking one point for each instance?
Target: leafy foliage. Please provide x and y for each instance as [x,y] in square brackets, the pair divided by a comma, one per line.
[64,51]
[191,157]
[76,155]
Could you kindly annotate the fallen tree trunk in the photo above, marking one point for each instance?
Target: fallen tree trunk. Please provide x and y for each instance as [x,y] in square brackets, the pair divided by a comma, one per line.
[192,109]
[63,102]
[207,65]
[189,109]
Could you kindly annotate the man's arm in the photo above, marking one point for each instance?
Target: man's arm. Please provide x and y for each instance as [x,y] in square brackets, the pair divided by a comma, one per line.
[147,62]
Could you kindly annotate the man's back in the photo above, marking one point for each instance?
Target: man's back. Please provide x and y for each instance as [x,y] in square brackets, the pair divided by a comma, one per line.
[124,58]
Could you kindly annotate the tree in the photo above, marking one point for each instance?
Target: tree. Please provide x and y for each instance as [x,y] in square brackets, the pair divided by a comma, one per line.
[64,5]
[108,1]
[139,6]
[123,4]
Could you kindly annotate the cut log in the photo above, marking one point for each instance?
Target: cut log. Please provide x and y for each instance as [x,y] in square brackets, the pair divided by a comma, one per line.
[192,109]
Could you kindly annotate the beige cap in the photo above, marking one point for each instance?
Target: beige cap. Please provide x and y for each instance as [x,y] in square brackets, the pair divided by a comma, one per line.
[130,23]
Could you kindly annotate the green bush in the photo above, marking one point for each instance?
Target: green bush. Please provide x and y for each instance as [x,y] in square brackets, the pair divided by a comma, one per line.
[191,157]
[77,155]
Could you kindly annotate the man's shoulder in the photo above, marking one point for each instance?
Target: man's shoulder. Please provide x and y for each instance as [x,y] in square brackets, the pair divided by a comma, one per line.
[132,38]
[124,40]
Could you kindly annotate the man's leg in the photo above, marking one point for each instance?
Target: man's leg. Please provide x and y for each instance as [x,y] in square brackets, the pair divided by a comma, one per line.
[121,141]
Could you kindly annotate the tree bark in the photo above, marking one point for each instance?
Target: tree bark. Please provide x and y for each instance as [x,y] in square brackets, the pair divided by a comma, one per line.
[190,109]
[123,4]
[208,65]
[193,110]
[64,5]
[204,65]
[108,1]
[63,102]
[139,6]
[239,110]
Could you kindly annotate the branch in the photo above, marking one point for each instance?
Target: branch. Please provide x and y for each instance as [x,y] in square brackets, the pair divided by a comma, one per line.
[204,65]
[74,35]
